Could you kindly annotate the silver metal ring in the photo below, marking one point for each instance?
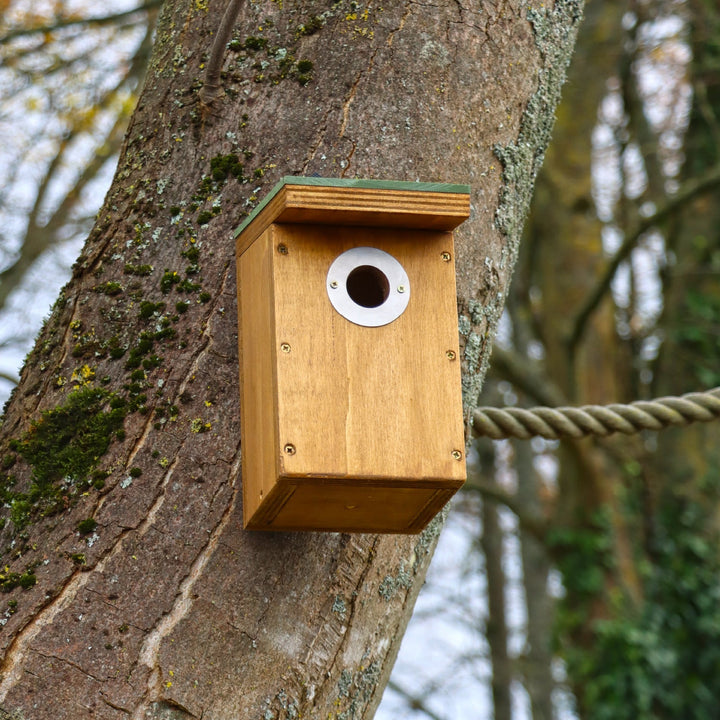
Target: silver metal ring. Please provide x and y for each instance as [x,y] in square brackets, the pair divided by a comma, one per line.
[368,286]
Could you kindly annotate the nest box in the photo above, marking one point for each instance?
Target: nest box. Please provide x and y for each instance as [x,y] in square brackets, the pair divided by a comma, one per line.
[351,405]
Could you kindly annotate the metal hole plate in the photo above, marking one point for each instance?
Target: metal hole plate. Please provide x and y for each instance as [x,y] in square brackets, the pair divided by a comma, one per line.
[399,286]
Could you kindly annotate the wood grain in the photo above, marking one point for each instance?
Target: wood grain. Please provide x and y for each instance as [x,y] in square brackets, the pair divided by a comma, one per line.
[258,405]
[367,420]
[356,205]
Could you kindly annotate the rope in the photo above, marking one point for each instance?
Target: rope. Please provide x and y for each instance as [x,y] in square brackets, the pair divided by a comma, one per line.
[602,420]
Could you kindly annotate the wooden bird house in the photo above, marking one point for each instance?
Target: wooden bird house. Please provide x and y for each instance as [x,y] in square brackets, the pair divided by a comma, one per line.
[351,405]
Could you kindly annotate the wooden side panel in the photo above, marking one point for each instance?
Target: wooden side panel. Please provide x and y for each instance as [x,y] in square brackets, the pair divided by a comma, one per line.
[258,401]
[368,403]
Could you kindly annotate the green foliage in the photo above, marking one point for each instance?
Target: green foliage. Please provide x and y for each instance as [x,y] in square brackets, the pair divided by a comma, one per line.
[662,659]
[699,335]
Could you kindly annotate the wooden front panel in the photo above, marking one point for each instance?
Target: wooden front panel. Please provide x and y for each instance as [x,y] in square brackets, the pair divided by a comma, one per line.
[358,402]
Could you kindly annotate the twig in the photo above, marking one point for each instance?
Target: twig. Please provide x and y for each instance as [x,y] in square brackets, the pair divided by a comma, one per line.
[688,192]
[211,86]
[414,702]
[60,24]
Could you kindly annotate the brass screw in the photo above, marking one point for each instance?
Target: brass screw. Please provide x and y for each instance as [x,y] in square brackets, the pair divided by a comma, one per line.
[289,449]
[285,347]
[450,355]
[446,256]
[457,455]
[282,249]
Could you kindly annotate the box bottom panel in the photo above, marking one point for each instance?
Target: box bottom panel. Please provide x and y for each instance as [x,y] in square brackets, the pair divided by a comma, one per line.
[348,508]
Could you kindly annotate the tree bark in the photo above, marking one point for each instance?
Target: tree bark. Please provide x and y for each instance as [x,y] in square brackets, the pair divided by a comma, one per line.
[120,447]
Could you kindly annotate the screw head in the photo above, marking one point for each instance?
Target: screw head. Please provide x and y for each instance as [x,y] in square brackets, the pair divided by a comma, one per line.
[446,257]
[401,288]
[289,449]
[334,284]
[285,347]
[450,355]
[457,455]
[282,249]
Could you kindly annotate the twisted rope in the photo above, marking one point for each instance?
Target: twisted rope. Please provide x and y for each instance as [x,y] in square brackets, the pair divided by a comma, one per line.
[602,420]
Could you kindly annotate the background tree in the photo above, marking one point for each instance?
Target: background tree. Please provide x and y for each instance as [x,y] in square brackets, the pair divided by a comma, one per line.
[614,298]
[133,591]
[69,86]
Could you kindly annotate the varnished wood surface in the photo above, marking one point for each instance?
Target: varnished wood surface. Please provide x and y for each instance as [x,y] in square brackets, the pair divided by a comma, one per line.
[356,205]
[258,398]
[372,415]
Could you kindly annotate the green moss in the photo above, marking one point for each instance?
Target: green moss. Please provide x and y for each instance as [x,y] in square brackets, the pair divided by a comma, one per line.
[10,580]
[304,70]
[142,348]
[135,472]
[182,307]
[67,441]
[115,350]
[152,362]
[169,279]
[205,217]
[167,333]
[141,270]
[109,288]
[192,254]
[187,286]
[85,527]
[311,26]
[222,166]
[255,43]
[204,297]
[148,309]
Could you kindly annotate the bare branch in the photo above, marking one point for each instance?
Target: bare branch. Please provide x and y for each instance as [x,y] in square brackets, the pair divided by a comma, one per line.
[12,379]
[415,703]
[687,193]
[525,376]
[39,238]
[93,21]
[530,523]
[211,86]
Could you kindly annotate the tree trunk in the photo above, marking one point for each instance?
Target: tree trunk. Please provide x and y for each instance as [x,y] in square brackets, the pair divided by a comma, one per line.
[133,590]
